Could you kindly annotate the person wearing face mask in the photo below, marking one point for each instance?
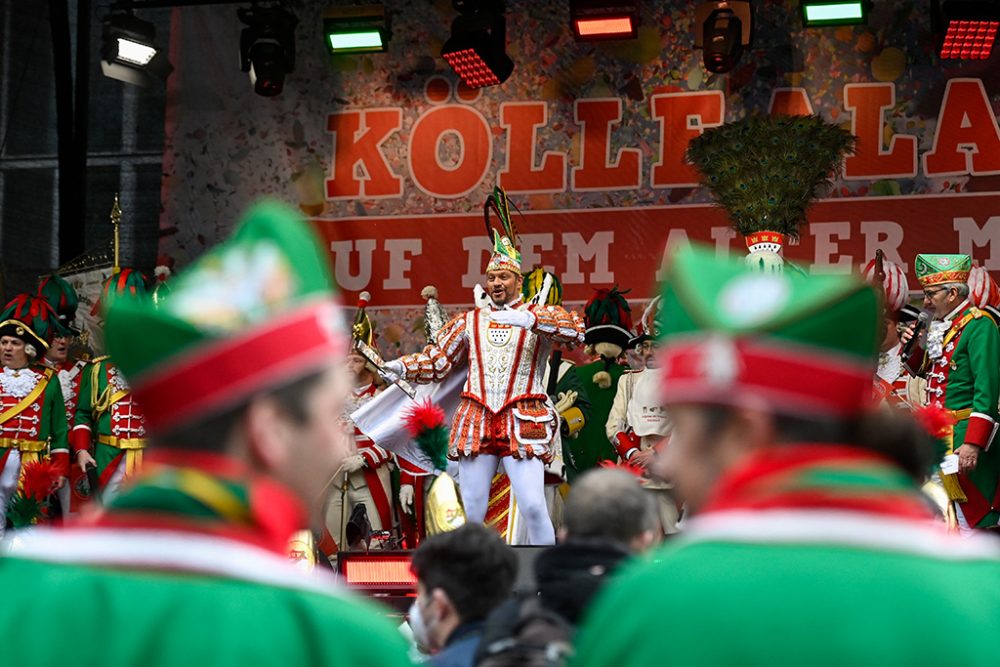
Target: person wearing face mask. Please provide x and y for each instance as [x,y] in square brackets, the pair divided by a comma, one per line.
[462,576]
[638,424]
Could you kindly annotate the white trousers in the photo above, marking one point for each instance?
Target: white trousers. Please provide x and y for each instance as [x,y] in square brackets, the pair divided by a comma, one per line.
[527,481]
[8,484]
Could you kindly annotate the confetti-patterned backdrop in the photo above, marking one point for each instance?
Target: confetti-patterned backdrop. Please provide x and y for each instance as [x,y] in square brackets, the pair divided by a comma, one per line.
[226,147]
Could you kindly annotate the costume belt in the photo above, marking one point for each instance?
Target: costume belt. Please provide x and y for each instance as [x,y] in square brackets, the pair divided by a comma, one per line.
[30,449]
[131,447]
[950,482]
[961,415]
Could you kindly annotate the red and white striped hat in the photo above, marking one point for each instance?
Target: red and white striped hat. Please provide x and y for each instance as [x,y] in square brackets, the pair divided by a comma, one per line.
[897,289]
[983,290]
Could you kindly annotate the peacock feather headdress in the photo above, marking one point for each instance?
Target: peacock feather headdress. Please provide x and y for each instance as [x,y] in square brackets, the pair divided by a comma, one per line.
[765,171]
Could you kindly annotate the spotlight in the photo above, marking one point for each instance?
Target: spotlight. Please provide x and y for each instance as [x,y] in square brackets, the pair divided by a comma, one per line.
[834,12]
[595,20]
[967,28]
[363,29]
[129,52]
[267,47]
[477,48]
[722,29]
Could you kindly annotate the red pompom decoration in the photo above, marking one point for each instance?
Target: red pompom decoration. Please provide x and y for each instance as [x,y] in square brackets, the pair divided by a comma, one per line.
[40,478]
[627,467]
[423,417]
[937,422]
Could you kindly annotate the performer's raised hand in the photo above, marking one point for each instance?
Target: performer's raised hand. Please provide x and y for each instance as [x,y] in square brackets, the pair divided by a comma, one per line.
[515,318]
[406,498]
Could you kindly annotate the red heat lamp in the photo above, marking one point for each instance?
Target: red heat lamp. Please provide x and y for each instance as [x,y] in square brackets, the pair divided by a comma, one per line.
[597,20]
[968,29]
[477,48]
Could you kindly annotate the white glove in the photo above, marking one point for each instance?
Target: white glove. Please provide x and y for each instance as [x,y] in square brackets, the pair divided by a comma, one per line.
[353,463]
[394,368]
[406,497]
[565,402]
[515,318]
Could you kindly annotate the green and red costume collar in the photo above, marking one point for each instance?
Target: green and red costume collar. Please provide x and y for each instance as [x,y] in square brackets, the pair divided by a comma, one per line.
[828,495]
[208,494]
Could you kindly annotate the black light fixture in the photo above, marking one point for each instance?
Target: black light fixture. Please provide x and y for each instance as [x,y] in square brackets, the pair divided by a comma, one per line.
[723,28]
[129,52]
[598,20]
[356,29]
[267,47]
[965,29]
[477,48]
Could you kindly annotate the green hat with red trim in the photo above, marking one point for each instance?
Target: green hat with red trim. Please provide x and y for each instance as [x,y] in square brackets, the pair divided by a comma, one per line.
[127,282]
[774,341]
[61,296]
[942,269]
[32,319]
[256,312]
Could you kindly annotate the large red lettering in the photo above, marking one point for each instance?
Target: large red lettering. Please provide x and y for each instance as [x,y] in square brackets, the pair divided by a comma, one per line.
[866,102]
[474,154]
[522,120]
[966,140]
[597,171]
[358,137]
[682,117]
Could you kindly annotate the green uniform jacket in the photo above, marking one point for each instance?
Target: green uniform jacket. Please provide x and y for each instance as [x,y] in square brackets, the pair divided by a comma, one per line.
[806,580]
[591,446]
[967,377]
[159,595]
[96,417]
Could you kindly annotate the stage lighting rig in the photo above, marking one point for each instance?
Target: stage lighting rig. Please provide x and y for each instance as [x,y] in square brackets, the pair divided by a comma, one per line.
[267,47]
[356,29]
[723,28]
[129,52]
[966,28]
[477,48]
[818,13]
[597,20]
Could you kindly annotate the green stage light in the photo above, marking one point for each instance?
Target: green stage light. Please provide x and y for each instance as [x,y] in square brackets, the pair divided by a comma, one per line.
[840,12]
[355,29]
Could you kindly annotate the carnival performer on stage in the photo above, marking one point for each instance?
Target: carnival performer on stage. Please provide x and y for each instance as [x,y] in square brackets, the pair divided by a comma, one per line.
[504,413]
[109,430]
[639,425]
[64,300]
[893,384]
[608,319]
[242,374]
[960,359]
[365,479]
[32,410]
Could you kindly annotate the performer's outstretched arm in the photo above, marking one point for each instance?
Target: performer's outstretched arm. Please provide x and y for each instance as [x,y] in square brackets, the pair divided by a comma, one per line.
[437,359]
[558,324]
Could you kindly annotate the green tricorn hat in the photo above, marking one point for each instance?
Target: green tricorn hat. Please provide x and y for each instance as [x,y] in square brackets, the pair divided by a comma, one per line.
[63,298]
[256,312]
[31,318]
[942,269]
[775,341]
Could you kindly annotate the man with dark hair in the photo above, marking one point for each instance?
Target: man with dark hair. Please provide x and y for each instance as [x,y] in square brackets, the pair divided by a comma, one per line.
[462,576]
[809,542]
[241,374]
[608,518]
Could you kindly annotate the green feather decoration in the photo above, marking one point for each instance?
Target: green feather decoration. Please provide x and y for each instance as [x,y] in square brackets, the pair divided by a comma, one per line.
[765,171]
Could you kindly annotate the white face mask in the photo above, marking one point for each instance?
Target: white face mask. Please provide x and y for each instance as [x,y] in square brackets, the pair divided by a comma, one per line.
[421,632]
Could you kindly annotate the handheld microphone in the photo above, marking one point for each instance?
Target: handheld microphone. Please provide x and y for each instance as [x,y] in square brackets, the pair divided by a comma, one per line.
[922,321]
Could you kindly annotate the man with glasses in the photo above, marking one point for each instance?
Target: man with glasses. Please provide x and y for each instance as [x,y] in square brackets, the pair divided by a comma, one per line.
[638,421]
[961,362]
